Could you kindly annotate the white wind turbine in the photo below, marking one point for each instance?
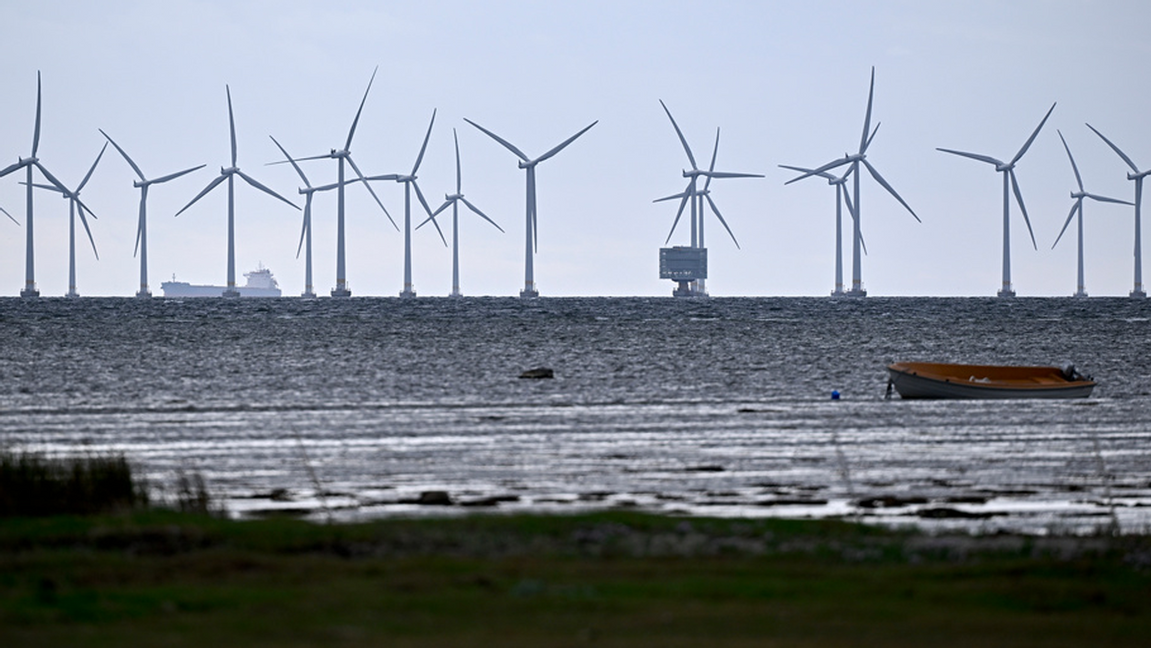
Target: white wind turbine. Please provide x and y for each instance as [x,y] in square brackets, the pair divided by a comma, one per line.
[1008,171]
[341,156]
[841,197]
[529,166]
[230,174]
[409,181]
[1077,208]
[697,197]
[1137,176]
[454,200]
[75,205]
[306,230]
[27,164]
[855,161]
[142,225]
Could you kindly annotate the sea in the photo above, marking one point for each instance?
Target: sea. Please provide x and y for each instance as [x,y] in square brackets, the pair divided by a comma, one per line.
[370,408]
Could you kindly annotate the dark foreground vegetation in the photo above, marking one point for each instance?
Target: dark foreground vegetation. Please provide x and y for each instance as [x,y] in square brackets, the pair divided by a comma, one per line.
[150,577]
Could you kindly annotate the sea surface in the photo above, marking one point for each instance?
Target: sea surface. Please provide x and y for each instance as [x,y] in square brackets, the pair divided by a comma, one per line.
[356,408]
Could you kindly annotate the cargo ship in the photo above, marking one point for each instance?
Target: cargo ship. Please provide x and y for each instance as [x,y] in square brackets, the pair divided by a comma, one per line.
[260,283]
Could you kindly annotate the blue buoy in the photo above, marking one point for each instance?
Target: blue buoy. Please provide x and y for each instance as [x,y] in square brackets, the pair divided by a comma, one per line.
[835,394]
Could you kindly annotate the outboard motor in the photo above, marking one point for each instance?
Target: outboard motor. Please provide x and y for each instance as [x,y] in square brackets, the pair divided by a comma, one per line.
[1071,373]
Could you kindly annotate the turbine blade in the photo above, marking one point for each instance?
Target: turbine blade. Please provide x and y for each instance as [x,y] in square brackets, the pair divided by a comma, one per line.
[721,220]
[1022,208]
[423,148]
[822,174]
[36,132]
[682,140]
[1106,199]
[457,141]
[1078,178]
[1116,149]
[1075,206]
[47,187]
[563,144]
[728,174]
[83,207]
[889,188]
[294,166]
[84,221]
[535,222]
[52,179]
[681,194]
[508,145]
[231,123]
[867,116]
[352,130]
[1027,144]
[434,214]
[124,155]
[682,204]
[92,168]
[711,167]
[173,176]
[305,221]
[11,167]
[140,221]
[420,195]
[873,132]
[481,214]
[380,178]
[252,181]
[827,167]
[5,212]
[211,185]
[974,156]
[369,186]
[300,159]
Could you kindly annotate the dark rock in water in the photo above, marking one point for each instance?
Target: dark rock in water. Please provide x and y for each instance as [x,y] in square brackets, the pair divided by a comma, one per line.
[947,513]
[280,495]
[538,372]
[705,468]
[889,501]
[491,501]
[434,498]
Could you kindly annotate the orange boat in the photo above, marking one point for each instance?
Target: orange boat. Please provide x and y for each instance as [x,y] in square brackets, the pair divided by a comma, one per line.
[940,380]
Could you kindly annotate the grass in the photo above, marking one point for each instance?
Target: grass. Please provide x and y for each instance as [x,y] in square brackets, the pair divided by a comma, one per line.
[618,579]
[31,484]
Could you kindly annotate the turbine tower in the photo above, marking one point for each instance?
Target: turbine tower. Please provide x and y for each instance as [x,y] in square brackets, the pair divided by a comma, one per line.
[454,200]
[841,197]
[74,205]
[697,197]
[1137,176]
[341,156]
[1008,171]
[142,225]
[529,166]
[409,181]
[27,164]
[855,160]
[230,174]
[306,230]
[1077,208]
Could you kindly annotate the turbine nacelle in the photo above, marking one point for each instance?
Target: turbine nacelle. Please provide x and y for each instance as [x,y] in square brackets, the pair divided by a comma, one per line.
[528,165]
[405,178]
[25,161]
[229,170]
[452,197]
[1004,167]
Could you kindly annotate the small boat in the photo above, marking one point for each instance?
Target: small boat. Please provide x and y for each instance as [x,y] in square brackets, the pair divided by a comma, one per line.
[940,380]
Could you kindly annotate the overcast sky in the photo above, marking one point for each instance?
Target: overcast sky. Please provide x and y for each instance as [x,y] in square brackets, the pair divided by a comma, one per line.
[785,81]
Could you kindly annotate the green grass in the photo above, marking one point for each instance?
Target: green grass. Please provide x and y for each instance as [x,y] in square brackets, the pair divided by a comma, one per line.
[615,579]
[31,484]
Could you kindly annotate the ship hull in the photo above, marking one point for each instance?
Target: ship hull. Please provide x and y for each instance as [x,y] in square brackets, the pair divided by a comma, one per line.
[185,289]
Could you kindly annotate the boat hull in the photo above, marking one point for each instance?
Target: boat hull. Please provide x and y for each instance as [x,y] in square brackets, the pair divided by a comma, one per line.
[183,289]
[933,380]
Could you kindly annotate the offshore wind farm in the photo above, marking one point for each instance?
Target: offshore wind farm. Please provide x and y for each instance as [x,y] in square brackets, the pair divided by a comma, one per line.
[600,206]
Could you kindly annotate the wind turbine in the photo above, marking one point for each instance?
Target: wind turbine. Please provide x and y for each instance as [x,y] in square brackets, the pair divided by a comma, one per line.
[341,156]
[855,161]
[409,181]
[529,165]
[841,197]
[697,197]
[142,226]
[27,164]
[1008,171]
[1077,208]
[306,230]
[74,205]
[454,200]
[230,174]
[1137,176]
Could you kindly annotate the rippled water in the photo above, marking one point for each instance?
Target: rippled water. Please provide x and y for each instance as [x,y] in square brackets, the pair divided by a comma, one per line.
[712,407]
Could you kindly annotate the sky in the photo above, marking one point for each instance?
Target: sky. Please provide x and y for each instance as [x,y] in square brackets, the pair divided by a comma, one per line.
[786,83]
